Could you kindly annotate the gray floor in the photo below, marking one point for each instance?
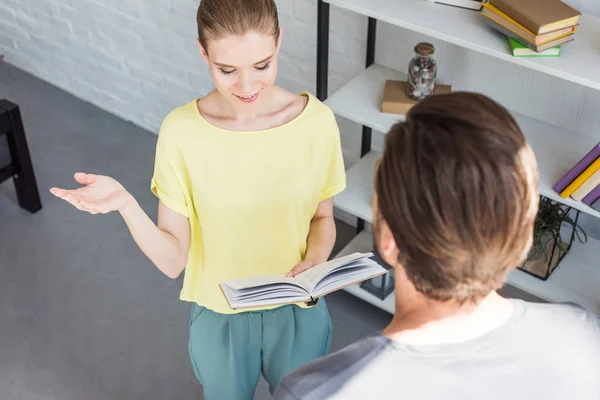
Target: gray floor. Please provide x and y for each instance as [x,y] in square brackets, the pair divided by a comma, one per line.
[83,314]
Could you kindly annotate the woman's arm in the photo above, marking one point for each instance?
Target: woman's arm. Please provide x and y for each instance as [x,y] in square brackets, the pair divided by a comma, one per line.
[321,238]
[166,245]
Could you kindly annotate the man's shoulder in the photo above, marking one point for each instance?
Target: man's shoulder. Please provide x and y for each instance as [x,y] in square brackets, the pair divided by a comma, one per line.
[326,375]
[573,315]
[569,319]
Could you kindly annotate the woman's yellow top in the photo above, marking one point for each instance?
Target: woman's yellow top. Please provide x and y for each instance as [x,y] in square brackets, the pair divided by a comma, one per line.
[249,196]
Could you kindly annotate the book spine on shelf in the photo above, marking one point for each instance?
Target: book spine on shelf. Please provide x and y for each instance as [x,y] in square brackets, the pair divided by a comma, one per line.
[578,169]
[585,175]
[587,187]
[593,196]
[508,33]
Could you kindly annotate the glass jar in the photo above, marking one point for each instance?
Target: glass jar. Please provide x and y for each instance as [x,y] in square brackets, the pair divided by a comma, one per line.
[422,71]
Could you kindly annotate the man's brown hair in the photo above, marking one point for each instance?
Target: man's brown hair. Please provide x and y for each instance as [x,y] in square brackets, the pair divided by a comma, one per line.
[458,187]
[219,18]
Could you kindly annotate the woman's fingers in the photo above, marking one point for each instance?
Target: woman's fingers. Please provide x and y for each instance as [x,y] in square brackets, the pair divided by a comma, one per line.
[85,179]
[58,192]
[71,198]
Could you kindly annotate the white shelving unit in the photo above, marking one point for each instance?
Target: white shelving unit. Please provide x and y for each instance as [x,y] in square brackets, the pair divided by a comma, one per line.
[580,62]
[556,149]
[356,199]
[363,243]
[577,279]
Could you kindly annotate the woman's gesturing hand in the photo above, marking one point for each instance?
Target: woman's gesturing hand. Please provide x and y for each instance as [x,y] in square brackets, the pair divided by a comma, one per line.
[99,195]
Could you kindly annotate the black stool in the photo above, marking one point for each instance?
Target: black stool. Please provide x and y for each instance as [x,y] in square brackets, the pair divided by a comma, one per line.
[15,161]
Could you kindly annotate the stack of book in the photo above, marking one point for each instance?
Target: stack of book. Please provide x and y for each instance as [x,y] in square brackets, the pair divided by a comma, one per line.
[582,182]
[536,27]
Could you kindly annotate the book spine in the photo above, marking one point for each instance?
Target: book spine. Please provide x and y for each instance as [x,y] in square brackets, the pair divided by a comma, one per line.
[508,33]
[516,15]
[587,187]
[578,169]
[585,175]
[596,205]
[593,196]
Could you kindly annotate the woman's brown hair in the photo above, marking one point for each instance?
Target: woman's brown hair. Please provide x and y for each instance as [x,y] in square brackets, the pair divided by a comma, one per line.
[219,18]
[458,187]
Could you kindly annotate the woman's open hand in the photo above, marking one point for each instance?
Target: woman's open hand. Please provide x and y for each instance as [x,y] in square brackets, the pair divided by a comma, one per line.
[100,195]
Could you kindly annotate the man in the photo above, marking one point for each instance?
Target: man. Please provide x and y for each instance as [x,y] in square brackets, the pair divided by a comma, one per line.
[456,194]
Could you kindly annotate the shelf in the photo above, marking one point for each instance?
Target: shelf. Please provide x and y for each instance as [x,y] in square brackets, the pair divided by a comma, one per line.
[576,280]
[579,62]
[356,199]
[360,100]
[363,243]
[557,150]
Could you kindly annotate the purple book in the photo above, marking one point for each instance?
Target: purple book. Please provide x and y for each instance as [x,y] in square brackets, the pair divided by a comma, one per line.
[578,169]
[592,196]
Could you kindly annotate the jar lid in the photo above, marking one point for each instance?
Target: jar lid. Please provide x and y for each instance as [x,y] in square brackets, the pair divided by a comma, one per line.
[424,49]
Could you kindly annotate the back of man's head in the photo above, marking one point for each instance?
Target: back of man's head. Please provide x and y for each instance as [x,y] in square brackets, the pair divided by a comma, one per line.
[457,186]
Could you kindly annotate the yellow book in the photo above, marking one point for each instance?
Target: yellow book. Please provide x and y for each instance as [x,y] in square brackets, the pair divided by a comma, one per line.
[585,175]
[559,25]
[503,19]
[587,186]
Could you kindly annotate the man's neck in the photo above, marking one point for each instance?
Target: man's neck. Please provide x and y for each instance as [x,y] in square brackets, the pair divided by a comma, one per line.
[419,321]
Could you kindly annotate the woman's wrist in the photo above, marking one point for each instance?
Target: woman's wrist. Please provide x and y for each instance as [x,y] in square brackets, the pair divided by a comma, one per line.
[129,205]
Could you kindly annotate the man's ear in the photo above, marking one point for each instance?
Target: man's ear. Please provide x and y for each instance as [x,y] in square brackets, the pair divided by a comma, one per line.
[202,51]
[388,249]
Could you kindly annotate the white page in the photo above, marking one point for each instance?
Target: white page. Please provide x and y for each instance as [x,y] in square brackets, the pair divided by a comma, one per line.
[342,275]
[339,279]
[272,291]
[257,281]
[312,276]
[268,302]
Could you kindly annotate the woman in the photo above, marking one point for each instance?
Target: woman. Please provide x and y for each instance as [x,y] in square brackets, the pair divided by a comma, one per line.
[245,177]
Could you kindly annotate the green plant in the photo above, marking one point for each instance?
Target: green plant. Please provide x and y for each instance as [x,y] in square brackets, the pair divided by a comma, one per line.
[548,224]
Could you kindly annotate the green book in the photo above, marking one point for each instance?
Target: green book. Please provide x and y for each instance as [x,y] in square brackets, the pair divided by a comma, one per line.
[519,50]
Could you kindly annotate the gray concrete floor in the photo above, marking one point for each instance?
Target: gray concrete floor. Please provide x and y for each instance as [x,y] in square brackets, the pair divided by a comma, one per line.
[83,313]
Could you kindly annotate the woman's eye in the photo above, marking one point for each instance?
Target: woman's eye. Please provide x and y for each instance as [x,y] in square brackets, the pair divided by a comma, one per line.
[227,72]
[264,67]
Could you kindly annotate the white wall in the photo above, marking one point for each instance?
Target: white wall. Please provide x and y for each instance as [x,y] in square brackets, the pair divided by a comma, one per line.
[138,59]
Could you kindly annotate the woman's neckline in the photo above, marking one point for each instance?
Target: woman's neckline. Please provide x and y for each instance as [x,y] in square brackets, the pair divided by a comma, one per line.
[309,102]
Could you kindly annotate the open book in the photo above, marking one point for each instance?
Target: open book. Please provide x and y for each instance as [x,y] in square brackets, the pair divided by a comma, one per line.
[305,287]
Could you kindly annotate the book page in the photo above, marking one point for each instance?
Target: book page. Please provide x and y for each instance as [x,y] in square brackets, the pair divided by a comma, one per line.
[258,281]
[347,274]
[360,271]
[270,301]
[312,276]
[263,291]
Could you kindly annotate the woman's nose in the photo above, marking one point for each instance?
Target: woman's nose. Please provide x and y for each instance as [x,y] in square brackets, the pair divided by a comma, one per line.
[245,83]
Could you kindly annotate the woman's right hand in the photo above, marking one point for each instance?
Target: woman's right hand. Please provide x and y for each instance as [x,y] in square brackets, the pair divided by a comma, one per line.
[100,195]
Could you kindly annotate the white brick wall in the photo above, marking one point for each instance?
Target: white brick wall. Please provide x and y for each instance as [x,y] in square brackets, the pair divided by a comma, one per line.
[138,59]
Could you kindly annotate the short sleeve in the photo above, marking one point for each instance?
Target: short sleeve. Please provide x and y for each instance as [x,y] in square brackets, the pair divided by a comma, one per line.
[335,177]
[167,182]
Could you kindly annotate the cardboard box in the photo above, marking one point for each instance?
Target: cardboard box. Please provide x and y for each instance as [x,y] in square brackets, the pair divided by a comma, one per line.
[395,100]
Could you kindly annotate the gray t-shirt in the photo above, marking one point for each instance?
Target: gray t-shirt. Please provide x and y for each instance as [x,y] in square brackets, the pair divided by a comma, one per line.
[544,351]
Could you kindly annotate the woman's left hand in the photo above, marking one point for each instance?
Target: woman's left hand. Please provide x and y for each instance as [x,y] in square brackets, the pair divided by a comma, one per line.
[299,268]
